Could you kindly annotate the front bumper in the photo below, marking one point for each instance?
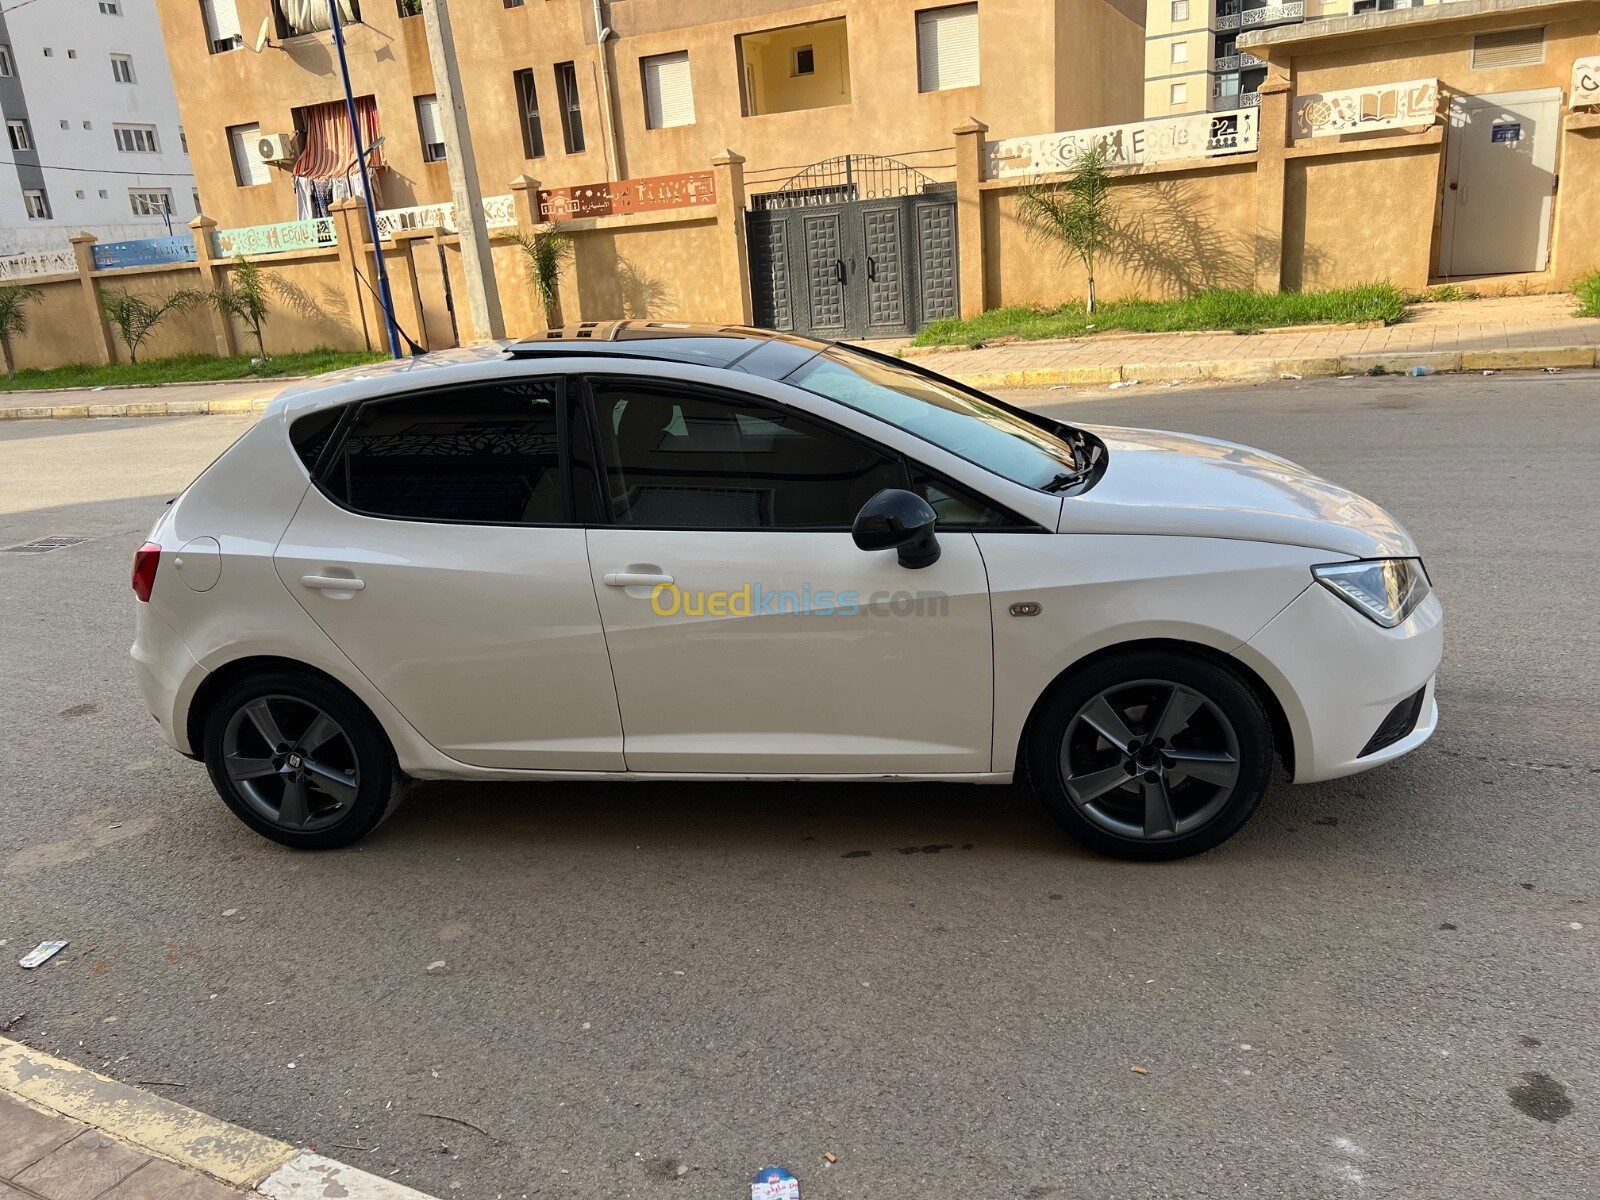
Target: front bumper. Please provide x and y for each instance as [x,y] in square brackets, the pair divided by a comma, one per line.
[1338,675]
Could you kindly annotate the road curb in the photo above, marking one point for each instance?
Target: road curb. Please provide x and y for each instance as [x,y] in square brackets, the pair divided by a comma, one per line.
[182,1135]
[1226,370]
[1248,370]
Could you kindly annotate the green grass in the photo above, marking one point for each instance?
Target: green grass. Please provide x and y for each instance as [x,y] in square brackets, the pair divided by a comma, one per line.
[1240,311]
[186,368]
[1587,290]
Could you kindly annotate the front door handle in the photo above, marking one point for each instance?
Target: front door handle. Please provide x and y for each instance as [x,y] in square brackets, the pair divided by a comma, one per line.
[332,583]
[636,578]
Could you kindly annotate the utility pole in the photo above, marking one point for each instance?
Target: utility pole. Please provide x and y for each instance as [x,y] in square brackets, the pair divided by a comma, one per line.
[385,298]
[483,292]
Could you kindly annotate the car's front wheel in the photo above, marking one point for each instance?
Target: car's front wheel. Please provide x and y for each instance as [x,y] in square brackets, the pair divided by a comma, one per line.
[300,760]
[1151,755]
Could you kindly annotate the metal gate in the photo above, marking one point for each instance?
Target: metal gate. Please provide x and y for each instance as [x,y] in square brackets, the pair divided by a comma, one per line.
[854,247]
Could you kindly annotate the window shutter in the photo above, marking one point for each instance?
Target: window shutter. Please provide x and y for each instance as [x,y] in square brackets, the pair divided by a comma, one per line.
[668,90]
[1508,48]
[428,120]
[222,19]
[947,48]
[245,159]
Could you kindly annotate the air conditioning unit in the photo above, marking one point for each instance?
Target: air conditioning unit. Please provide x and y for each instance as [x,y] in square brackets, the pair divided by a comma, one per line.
[276,148]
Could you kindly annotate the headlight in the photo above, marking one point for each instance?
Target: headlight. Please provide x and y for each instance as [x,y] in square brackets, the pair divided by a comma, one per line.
[1387,589]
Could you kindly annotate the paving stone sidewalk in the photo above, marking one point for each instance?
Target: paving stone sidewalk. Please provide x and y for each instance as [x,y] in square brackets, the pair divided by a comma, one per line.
[48,1157]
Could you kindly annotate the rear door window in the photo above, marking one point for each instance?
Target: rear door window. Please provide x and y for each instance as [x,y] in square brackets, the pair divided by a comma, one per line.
[479,455]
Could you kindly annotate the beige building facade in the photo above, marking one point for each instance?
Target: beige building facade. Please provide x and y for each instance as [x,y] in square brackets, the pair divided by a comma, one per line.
[671,84]
[1194,62]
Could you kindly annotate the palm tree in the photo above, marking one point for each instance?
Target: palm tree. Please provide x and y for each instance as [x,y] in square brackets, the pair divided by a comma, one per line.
[244,295]
[136,318]
[1076,216]
[14,301]
[548,254]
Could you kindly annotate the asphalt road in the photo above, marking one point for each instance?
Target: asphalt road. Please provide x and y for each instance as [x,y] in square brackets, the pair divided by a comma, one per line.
[1384,987]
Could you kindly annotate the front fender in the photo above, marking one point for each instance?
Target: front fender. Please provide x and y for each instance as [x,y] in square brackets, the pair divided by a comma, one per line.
[1098,591]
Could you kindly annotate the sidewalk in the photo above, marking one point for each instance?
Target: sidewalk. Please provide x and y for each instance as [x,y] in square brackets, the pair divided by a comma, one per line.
[69,1134]
[1523,332]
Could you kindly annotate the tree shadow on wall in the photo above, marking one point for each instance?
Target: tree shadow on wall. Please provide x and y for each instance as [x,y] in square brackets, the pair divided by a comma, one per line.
[642,296]
[1178,243]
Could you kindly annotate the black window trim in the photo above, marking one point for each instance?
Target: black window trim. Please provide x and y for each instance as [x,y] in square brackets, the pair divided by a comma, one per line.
[333,452]
[735,395]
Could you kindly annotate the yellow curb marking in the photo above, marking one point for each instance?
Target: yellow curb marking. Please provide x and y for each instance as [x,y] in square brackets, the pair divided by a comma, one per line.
[151,1123]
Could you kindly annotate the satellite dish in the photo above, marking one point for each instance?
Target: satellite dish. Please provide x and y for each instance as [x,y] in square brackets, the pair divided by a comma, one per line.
[261,38]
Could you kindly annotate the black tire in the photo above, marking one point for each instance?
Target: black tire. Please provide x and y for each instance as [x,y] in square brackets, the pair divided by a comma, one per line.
[1179,814]
[336,813]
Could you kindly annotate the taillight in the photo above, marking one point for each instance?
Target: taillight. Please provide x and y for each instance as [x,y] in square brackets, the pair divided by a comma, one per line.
[145,561]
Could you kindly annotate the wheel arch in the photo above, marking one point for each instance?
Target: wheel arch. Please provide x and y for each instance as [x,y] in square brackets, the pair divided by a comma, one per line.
[218,681]
[1277,717]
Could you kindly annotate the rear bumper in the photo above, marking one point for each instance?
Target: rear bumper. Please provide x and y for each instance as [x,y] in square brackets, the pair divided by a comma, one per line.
[165,670]
[1338,675]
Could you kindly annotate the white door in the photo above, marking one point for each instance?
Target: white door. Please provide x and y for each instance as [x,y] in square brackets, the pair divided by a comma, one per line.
[777,646]
[446,568]
[1500,167]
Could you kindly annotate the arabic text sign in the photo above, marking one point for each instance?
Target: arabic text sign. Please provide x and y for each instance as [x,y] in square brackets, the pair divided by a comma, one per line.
[317,234]
[1585,81]
[628,196]
[1159,140]
[1358,110]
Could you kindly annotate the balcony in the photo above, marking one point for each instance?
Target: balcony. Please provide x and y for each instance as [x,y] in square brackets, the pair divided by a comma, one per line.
[1260,18]
[1242,61]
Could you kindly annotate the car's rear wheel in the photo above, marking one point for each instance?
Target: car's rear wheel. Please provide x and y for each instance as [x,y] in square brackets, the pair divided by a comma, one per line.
[1151,755]
[301,761]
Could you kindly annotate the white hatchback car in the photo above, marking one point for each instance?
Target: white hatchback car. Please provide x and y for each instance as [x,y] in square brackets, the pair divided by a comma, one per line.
[650,551]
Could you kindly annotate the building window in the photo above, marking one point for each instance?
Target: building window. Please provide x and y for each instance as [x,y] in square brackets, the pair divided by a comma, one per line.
[1180,11]
[528,106]
[135,139]
[151,203]
[409,8]
[104,195]
[513,3]
[183,139]
[294,18]
[769,61]
[571,110]
[222,25]
[668,90]
[110,8]
[1180,52]
[195,192]
[49,53]
[432,132]
[248,169]
[6,67]
[72,54]
[66,124]
[78,194]
[37,204]
[1180,93]
[947,48]
[122,68]
[21,135]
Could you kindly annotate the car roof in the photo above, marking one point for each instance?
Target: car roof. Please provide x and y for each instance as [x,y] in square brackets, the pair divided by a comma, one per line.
[667,341]
[741,348]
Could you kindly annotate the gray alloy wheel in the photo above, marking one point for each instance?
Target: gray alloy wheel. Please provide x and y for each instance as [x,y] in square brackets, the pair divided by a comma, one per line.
[292,763]
[1149,759]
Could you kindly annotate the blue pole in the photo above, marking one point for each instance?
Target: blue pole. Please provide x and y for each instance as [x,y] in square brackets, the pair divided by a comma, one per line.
[384,296]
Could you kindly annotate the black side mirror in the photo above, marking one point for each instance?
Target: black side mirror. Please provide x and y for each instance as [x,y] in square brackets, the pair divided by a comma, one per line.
[902,519]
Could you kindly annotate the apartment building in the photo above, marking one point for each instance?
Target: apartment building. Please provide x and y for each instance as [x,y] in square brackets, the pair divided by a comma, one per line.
[1192,59]
[573,92]
[94,141]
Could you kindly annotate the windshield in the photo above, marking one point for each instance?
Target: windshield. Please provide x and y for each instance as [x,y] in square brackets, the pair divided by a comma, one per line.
[963,424]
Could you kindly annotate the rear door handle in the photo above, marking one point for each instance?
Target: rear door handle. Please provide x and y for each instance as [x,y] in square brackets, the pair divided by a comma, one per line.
[636,578]
[332,583]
